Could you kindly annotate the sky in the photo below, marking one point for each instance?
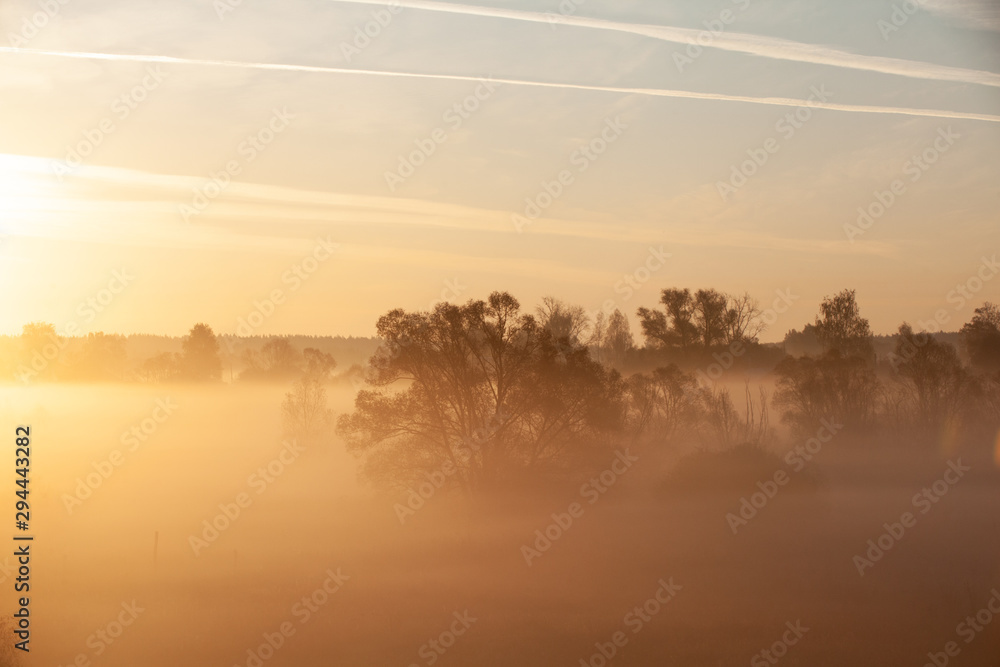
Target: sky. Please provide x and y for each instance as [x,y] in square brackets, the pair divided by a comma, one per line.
[268,167]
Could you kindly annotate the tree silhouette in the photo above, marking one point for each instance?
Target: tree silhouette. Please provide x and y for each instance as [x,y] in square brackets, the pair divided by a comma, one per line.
[743,321]
[710,316]
[674,325]
[478,392]
[982,338]
[562,320]
[618,340]
[932,374]
[840,326]
[199,359]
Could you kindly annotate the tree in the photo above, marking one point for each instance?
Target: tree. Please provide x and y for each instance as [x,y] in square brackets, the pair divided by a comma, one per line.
[598,332]
[840,326]
[710,316]
[479,394]
[304,412]
[743,321]
[159,368]
[41,350]
[562,320]
[199,359]
[933,376]
[674,325]
[832,386]
[319,365]
[805,342]
[982,338]
[618,340]
[664,404]
[275,360]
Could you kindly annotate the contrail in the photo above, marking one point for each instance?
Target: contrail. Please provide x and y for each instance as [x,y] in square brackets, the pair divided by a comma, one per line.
[767,47]
[652,92]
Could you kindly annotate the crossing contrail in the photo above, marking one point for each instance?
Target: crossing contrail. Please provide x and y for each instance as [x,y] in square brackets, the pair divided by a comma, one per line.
[757,45]
[652,92]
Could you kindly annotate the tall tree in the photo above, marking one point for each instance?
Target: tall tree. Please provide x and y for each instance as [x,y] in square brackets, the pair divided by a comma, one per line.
[200,355]
[618,340]
[710,316]
[840,326]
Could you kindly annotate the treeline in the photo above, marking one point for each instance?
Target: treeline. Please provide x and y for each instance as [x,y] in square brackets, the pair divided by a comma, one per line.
[492,394]
[39,354]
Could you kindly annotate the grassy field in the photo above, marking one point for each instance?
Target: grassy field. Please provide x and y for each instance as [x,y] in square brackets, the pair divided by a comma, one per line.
[402,584]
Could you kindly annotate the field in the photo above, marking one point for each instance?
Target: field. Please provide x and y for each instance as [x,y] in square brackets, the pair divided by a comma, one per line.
[400,585]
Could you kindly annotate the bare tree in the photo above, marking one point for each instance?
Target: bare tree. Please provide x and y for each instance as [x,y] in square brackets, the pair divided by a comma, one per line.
[743,321]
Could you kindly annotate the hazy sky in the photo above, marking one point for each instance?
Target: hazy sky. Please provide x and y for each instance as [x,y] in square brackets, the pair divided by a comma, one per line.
[160,96]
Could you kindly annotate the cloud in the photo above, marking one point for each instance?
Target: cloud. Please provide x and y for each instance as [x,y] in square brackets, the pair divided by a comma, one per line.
[654,92]
[757,45]
[103,205]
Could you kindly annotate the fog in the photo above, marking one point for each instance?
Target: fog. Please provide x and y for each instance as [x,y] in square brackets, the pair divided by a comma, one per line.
[394,585]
